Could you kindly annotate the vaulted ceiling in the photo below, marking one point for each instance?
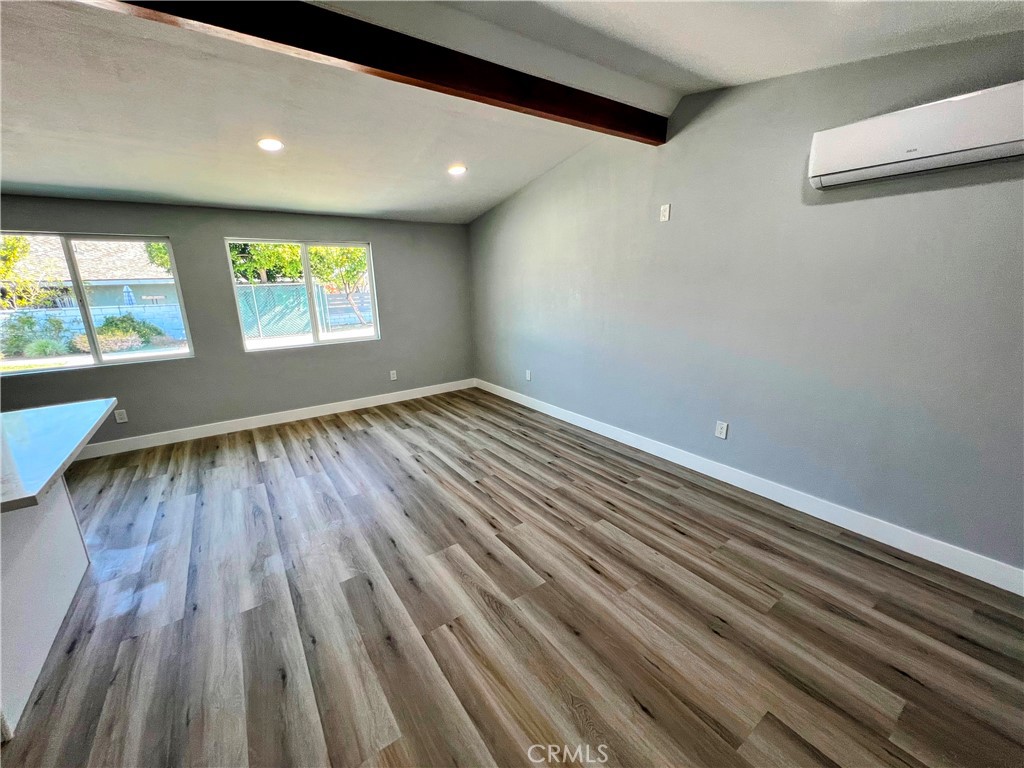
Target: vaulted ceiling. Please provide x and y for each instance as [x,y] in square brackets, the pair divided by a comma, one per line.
[99,104]
[693,46]
[104,105]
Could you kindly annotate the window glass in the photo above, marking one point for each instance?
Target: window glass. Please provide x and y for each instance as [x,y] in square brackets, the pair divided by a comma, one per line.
[275,280]
[41,324]
[273,301]
[131,296]
[341,287]
[74,300]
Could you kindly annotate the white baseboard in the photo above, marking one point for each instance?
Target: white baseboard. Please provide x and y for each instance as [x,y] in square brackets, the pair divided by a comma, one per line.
[126,444]
[999,574]
[1002,575]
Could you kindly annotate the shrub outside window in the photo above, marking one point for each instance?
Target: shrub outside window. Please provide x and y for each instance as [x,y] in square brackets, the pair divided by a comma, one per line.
[68,301]
[274,283]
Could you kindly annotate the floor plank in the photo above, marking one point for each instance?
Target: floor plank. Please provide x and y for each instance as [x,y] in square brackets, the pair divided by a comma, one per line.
[451,580]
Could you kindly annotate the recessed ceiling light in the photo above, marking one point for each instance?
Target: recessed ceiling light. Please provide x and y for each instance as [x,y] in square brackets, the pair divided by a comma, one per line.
[270,145]
[456,170]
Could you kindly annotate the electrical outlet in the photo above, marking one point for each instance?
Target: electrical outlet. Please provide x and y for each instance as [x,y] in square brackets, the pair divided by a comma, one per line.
[529,375]
[394,375]
[722,429]
[121,416]
[666,212]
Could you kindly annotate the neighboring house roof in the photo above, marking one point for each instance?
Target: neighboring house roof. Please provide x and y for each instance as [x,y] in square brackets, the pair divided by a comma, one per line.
[116,260]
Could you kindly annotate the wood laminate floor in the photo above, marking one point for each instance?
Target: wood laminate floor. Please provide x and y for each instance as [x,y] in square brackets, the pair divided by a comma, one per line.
[451,580]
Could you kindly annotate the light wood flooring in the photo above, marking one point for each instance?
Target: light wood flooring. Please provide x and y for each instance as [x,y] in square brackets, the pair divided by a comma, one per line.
[448,581]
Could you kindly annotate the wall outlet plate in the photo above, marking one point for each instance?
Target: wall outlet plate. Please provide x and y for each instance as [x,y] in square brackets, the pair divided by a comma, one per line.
[529,375]
[666,212]
[722,429]
[121,416]
[394,375]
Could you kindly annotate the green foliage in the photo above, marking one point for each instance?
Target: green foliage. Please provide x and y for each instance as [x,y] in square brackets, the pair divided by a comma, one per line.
[110,341]
[119,333]
[13,248]
[128,323]
[266,262]
[118,341]
[18,333]
[159,255]
[17,290]
[80,343]
[340,267]
[343,266]
[45,348]
[53,328]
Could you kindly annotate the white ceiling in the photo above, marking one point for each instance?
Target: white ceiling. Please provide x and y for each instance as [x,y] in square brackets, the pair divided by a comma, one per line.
[695,46]
[104,105]
[535,53]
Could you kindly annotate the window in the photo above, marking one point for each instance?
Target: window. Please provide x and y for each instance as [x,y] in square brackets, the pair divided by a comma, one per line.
[274,283]
[68,301]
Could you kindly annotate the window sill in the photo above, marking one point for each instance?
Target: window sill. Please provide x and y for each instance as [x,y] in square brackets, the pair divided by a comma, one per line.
[107,364]
[305,341]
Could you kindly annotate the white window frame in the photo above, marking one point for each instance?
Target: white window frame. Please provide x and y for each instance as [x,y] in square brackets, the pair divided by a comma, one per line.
[78,288]
[307,280]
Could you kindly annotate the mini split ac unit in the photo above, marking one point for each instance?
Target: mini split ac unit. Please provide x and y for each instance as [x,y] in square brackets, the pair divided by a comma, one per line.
[984,125]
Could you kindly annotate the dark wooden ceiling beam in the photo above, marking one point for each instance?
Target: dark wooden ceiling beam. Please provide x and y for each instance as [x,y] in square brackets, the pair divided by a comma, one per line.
[318,34]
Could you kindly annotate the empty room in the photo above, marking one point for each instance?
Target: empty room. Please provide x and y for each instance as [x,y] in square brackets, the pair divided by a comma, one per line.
[420,384]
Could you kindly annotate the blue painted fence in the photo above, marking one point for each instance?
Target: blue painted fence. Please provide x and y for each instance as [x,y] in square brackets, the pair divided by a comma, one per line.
[266,311]
[167,317]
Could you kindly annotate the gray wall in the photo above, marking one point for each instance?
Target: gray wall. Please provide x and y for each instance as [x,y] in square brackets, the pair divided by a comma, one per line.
[865,344]
[422,277]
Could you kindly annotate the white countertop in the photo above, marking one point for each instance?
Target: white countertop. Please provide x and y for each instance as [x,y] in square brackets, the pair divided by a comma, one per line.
[40,443]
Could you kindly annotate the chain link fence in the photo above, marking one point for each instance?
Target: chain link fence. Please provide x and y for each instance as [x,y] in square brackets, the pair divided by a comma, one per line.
[273,310]
[282,309]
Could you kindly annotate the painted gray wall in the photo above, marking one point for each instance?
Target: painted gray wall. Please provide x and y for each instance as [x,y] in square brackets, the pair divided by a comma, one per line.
[422,277]
[865,344]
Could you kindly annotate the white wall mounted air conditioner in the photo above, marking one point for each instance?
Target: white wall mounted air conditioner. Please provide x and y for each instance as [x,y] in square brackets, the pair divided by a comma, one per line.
[983,125]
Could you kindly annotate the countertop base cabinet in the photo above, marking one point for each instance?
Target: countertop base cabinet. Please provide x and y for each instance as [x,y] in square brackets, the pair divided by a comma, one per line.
[43,562]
